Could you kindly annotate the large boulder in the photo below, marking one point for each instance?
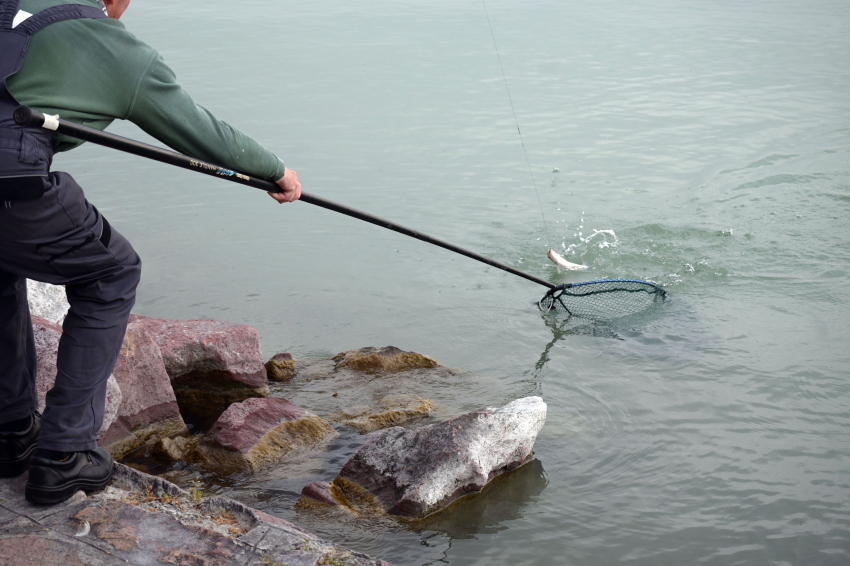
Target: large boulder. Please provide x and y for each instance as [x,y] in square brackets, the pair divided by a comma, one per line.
[260,431]
[149,409]
[47,335]
[47,301]
[416,472]
[212,364]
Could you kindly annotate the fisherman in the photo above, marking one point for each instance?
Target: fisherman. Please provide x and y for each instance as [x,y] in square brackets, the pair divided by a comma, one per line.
[77,60]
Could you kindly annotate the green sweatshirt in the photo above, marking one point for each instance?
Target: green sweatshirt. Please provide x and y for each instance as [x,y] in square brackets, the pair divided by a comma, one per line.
[94,71]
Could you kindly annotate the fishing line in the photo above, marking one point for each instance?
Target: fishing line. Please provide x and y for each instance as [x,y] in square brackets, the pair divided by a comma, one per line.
[533,182]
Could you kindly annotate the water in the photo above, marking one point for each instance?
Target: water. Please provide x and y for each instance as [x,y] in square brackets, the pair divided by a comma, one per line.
[708,145]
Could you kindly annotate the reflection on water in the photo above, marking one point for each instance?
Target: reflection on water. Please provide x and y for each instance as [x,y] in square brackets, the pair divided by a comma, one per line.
[563,326]
[504,499]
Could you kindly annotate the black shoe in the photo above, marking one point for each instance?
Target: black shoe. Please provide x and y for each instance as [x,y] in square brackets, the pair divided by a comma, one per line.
[16,448]
[54,481]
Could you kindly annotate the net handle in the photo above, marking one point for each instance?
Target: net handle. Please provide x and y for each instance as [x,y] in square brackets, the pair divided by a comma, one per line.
[26,116]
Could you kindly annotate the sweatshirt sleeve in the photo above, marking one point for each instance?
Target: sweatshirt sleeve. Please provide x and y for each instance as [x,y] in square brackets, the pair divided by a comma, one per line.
[165,111]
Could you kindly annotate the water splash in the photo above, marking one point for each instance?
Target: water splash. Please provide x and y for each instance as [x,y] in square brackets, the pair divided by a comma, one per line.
[599,239]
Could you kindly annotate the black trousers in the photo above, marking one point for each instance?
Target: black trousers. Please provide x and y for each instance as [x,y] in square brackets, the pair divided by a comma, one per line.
[62,239]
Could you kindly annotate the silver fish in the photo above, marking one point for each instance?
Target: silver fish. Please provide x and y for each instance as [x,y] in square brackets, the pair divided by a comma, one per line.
[564,265]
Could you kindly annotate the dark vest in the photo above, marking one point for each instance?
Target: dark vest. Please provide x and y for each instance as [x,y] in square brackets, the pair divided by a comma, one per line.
[25,153]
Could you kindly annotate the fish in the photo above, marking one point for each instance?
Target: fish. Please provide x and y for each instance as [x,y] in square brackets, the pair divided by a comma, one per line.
[564,265]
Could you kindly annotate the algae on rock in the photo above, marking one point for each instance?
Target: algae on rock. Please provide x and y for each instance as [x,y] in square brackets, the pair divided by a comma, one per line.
[392,410]
[260,431]
[386,359]
[281,367]
[375,388]
[304,433]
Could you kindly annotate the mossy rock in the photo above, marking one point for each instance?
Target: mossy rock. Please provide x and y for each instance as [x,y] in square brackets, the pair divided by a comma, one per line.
[386,359]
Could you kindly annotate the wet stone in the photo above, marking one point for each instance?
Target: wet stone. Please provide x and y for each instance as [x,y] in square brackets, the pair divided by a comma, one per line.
[257,432]
[391,410]
[281,367]
[386,359]
[177,448]
[212,364]
[367,400]
[414,473]
[317,492]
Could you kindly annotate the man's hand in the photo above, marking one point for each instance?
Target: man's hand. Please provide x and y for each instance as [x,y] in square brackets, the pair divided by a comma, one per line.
[290,185]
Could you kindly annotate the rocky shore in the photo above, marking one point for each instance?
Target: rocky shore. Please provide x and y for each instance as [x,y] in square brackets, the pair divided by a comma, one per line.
[422,450]
[142,519]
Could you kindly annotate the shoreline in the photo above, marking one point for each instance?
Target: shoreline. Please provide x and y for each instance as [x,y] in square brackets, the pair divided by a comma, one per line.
[245,414]
[144,519]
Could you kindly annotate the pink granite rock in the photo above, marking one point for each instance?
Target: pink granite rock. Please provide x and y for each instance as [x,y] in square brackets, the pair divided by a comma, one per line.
[149,409]
[261,431]
[211,363]
[47,335]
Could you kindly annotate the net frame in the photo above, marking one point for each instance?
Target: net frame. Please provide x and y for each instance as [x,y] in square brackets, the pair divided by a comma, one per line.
[603,299]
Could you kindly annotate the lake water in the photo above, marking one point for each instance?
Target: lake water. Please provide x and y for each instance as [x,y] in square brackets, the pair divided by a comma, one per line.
[704,146]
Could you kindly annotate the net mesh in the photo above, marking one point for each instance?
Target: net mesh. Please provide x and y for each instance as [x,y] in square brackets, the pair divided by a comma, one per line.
[602,300]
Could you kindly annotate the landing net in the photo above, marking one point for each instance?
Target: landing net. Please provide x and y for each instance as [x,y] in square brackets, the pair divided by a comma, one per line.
[602,300]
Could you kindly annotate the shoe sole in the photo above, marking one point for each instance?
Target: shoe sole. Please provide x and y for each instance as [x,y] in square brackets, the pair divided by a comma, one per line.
[54,495]
[17,466]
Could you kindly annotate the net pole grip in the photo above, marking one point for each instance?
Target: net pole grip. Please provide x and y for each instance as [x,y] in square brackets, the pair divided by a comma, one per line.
[26,116]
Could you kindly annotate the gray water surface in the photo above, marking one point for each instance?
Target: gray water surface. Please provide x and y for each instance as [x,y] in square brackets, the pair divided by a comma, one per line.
[704,146]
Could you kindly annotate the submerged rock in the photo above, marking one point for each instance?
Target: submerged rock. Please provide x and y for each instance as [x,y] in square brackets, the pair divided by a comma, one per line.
[370,399]
[392,410]
[281,367]
[317,492]
[261,431]
[211,363]
[416,472]
[386,359]
[47,335]
[176,448]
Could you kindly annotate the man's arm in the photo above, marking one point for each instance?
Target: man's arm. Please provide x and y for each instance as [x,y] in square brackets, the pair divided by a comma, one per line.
[165,110]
